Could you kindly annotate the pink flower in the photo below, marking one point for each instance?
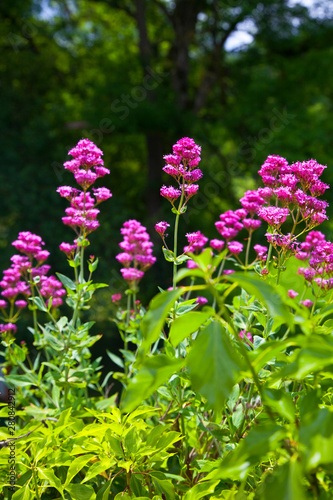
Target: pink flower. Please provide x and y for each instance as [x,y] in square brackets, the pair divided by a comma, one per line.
[261,251]
[191,190]
[116,297]
[102,194]
[137,248]
[3,304]
[243,334]
[196,241]
[292,294]
[274,216]
[252,201]
[201,301]
[130,274]
[228,271]
[251,224]
[235,247]
[67,248]
[161,227]
[170,193]
[65,191]
[272,167]
[217,244]
[8,327]
[21,304]
[306,303]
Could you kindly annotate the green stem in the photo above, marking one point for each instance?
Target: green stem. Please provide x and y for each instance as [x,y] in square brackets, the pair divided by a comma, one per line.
[270,248]
[36,484]
[248,249]
[175,238]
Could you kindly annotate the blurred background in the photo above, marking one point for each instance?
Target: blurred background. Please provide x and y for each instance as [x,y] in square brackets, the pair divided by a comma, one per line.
[245,79]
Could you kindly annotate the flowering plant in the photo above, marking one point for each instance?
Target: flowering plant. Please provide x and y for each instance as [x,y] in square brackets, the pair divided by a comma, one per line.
[226,376]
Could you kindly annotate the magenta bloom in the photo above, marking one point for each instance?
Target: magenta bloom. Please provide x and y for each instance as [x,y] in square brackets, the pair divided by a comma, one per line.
[307,303]
[235,247]
[230,223]
[243,334]
[161,227]
[21,304]
[116,297]
[137,256]
[196,241]
[261,251]
[131,274]
[8,327]
[251,224]
[274,216]
[252,201]
[217,244]
[201,301]
[87,167]
[181,165]
[292,294]
[170,193]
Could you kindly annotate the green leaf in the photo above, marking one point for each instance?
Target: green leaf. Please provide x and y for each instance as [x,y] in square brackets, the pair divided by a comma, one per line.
[265,293]
[153,321]
[81,492]
[163,485]
[50,477]
[251,450]
[76,466]
[206,488]
[214,364]
[316,439]
[185,325]
[23,493]
[67,282]
[115,359]
[281,402]
[98,467]
[285,483]
[154,372]
[38,303]
[168,255]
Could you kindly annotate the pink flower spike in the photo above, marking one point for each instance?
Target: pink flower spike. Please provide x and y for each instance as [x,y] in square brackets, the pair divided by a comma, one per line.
[292,294]
[161,227]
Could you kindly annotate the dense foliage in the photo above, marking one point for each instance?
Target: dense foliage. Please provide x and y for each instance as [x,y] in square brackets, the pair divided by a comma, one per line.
[226,377]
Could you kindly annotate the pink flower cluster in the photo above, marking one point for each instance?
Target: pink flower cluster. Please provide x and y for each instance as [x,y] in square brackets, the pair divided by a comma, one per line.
[87,167]
[24,268]
[137,251]
[319,253]
[295,186]
[181,165]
